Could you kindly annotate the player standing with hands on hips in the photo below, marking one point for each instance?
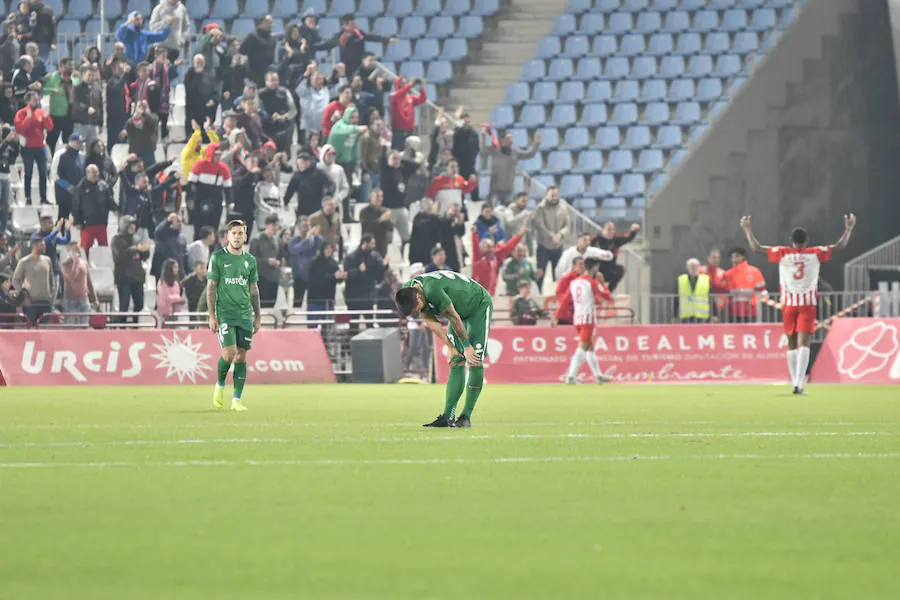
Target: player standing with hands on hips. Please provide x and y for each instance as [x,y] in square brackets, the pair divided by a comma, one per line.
[798,273]
[234,310]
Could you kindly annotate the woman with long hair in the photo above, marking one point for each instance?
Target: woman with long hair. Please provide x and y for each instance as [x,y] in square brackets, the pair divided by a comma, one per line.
[96,155]
[313,143]
[168,290]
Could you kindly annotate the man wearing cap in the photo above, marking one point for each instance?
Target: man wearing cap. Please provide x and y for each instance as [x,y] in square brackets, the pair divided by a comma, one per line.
[34,274]
[280,110]
[92,201]
[267,248]
[69,173]
[179,25]
[137,39]
[78,292]
[309,30]
[209,47]
[259,48]
[129,254]
[309,184]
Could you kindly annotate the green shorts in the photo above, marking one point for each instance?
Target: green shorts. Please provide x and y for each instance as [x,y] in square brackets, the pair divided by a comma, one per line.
[235,335]
[478,327]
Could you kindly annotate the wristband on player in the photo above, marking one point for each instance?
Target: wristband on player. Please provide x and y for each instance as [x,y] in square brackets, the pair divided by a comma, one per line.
[464,343]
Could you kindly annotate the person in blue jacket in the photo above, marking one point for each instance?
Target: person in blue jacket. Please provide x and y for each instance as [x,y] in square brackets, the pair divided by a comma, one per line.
[69,173]
[137,40]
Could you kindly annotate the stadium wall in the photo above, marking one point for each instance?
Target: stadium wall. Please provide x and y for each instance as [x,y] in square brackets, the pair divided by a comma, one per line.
[814,133]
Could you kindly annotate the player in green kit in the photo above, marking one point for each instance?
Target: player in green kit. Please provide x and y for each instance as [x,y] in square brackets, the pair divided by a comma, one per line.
[234,311]
[469,309]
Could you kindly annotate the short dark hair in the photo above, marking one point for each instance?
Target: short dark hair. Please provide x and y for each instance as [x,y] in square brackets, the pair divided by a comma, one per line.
[366,238]
[347,18]
[272,220]
[798,235]
[206,231]
[520,194]
[591,263]
[343,88]
[368,53]
[65,61]
[406,299]
[465,115]
[738,250]
[235,223]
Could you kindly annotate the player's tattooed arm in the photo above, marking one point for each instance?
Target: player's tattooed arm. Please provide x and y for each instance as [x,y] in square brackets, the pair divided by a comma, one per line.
[849,224]
[254,302]
[212,288]
[456,324]
[751,239]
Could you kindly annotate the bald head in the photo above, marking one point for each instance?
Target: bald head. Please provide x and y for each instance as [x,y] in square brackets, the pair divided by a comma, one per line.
[92,173]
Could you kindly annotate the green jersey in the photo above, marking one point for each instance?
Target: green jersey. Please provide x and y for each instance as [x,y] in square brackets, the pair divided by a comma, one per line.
[443,288]
[234,273]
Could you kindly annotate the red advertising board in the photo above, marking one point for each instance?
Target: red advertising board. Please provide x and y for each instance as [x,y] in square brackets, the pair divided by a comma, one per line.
[154,357]
[750,353]
[860,351]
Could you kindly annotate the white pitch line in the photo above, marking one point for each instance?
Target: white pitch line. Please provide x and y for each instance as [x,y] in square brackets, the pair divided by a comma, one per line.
[86,444]
[442,461]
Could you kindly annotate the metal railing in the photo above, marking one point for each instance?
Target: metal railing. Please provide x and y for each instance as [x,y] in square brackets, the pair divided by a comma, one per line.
[99,320]
[14,321]
[883,256]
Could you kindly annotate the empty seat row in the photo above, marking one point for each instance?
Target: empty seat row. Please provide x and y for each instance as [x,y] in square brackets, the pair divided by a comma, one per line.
[594,115]
[581,6]
[427,49]
[760,19]
[643,67]
[589,162]
[656,44]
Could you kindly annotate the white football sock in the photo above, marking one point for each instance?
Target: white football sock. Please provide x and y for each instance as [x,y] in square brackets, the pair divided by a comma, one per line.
[792,366]
[593,364]
[577,360]
[802,364]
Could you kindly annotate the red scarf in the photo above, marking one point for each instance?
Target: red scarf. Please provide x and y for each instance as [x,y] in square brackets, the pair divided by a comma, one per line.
[345,36]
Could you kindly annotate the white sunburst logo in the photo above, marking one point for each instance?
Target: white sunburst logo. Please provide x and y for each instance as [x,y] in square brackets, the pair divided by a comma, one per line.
[182,358]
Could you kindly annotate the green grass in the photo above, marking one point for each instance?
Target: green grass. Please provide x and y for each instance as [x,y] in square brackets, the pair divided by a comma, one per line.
[557,492]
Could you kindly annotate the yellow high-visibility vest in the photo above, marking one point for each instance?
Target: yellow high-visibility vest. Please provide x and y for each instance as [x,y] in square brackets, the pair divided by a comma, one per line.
[693,302]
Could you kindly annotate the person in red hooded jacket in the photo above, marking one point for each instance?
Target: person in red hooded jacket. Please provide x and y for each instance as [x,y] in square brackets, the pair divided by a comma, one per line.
[210,188]
[456,185]
[403,109]
[32,124]
[486,258]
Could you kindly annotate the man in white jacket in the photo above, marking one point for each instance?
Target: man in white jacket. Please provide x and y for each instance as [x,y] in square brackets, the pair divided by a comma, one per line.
[338,177]
[179,30]
[582,249]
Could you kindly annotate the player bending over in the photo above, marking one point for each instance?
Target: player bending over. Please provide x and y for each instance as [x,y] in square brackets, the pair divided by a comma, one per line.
[584,294]
[469,308]
[798,274]
[234,313]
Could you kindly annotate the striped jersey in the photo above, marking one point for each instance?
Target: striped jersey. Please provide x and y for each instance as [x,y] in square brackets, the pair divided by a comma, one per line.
[585,293]
[798,273]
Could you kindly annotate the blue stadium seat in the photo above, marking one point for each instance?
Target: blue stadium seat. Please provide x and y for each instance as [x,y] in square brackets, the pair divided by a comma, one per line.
[441,27]
[632,44]
[402,50]
[643,67]
[604,45]
[677,21]
[431,91]
[589,161]
[559,162]
[543,92]
[671,67]
[709,89]
[654,90]
[648,22]
[85,10]
[242,26]
[624,113]
[440,71]
[660,44]
[530,165]
[728,65]
[763,19]
[564,24]
[664,5]
[698,132]
[637,137]
[517,93]
[412,69]
[681,89]
[224,9]
[485,8]
[688,43]
[650,161]
[399,8]
[632,185]
[413,27]
[282,9]
[68,27]
[607,138]
[734,20]
[592,23]
[386,26]
[549,47]
[457,8]
[619,23]
[717,42]
[692,4]
[589,68]
[584,204]
[594,114]
[427,49]
[533,115]
[571,186]
[56,5]
[745,42]
[699,66]
[687,113]
[617,67]
[520,137]
[429,8]
[706,20]
[455,49]
[142,6]
[337,8]
[470,26]
[602,185]
[636,5]
[563,115]
[534,70]
[677,156]
[369,8]
[722,4]
[571,91]
[503,116]
[277,26]
[655,113]
[549,138]
[619,161]
[606,6]
[92,27]
[656,184]
[328,26]
[576,46]
[668,136]
[598,91]
[560,69]
[576,138]
[626,91]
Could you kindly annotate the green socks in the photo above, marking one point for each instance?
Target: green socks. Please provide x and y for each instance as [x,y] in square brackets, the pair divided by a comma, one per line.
[224,365]
[455,383]
[240,377]
[476,382]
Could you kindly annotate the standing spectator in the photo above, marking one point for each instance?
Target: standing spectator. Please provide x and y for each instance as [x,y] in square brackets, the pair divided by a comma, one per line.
[608,240]
[179,25]
[210,188]
[199,249]
[438,260]
[267,250]
[69,173]
[78,292]
[210,48]
[280,110]
[344,138]
[427,229]
[403,109]
[195,148]
[489,225]
[310,184]
[245,176]
[371,155]
[143,134]
[309,30]
[9,46]
[454,222]
[116,104]
[139,90]
[328,222]
[194,286]
[716,273]
[53,236]
[324,273]
[518,268]
[303,249]
[170,244]
[163,75]
[692,299]
[338,178]
[267,196]
[118,55]
[551,226]
[137,39]
[365,271]
[313,144]
[392,180]
[59,88]
[96,155]
[582,249]
[200,92]
[441,138]
[8,105]
[415,169]
[504,163]
[487,258]
[40,67]
[516,215]
[314,97]
[24,21]
[10,301]
[250,121]
[465,150]
[9,255]
[92,201]
[449,189]
[168,290]
[34,274]
[129,254]
[43,31]
[352,42]
[259,48]
[31,123]
[745,283]
[136,201]
[87,105]
[376,220]
[233,71]
[335,110]
[9,152]
[525,310]
[23,81]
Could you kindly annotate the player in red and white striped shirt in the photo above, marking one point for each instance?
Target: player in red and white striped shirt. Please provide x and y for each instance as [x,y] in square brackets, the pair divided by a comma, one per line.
[798,272]
[584,294]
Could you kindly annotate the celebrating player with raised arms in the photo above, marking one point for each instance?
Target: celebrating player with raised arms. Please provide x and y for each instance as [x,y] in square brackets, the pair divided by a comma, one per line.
[234,310]
[469,309]
[798,273]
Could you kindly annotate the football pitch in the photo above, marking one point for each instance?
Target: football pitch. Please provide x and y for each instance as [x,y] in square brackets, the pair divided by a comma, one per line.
[337,491]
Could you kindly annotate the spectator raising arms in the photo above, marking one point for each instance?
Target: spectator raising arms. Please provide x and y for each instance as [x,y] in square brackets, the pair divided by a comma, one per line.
[314,99]
[31,124]
[518,269]
[489,226]
[465,150]
[210,189]
[582,249]
[608,240]
[335,110]
[352,42]
[43,32]
[486,259]
[403,109]
[449,189]
[201,91]
[504,162]
[259,48]
[338,178]
[344,138]
[143,133]
[138,40]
